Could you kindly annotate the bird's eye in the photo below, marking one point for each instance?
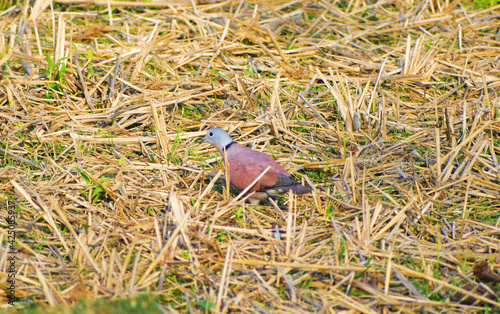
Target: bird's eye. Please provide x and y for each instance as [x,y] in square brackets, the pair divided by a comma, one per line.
[211,134]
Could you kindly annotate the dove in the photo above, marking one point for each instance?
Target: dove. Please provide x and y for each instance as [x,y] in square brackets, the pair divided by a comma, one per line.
[246,164]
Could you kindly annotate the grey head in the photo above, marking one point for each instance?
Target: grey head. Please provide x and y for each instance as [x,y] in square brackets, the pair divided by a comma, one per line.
[218,138]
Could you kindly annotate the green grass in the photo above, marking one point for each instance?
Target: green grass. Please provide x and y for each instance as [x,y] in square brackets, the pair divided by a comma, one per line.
[141,304]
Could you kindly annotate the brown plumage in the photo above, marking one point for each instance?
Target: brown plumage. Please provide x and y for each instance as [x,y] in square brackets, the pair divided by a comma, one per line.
[245,165]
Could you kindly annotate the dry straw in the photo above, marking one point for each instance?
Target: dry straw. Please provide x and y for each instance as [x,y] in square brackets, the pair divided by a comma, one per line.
[388,109]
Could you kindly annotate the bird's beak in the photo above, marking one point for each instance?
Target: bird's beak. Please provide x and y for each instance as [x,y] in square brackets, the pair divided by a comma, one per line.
[203,140]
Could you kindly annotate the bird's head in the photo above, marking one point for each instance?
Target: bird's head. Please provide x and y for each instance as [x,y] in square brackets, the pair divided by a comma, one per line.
[217,137]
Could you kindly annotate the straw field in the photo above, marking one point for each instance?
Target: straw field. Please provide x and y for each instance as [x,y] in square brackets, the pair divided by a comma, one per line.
[389,110]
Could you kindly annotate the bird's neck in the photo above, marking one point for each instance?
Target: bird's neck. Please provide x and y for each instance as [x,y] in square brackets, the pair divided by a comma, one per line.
[226,148]
[228,145]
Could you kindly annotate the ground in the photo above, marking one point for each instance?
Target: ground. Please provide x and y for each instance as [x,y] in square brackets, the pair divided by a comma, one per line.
[388,110]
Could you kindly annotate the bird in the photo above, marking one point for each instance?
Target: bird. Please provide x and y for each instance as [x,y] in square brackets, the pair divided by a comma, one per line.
[246,164]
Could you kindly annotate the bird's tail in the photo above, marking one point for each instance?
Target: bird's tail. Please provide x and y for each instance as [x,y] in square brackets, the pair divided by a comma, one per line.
[300,189]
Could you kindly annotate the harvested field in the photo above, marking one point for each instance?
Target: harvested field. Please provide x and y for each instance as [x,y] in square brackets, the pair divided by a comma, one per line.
[388,110]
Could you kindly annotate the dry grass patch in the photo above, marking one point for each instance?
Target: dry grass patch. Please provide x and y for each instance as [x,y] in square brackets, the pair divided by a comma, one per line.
[388,110]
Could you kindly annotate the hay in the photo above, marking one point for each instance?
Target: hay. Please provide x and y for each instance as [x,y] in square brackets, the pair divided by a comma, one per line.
[388,110]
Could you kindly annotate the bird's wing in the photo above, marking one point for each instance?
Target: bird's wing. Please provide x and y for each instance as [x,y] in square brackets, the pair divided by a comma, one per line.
[245,165]
[280,181]
[243,171]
